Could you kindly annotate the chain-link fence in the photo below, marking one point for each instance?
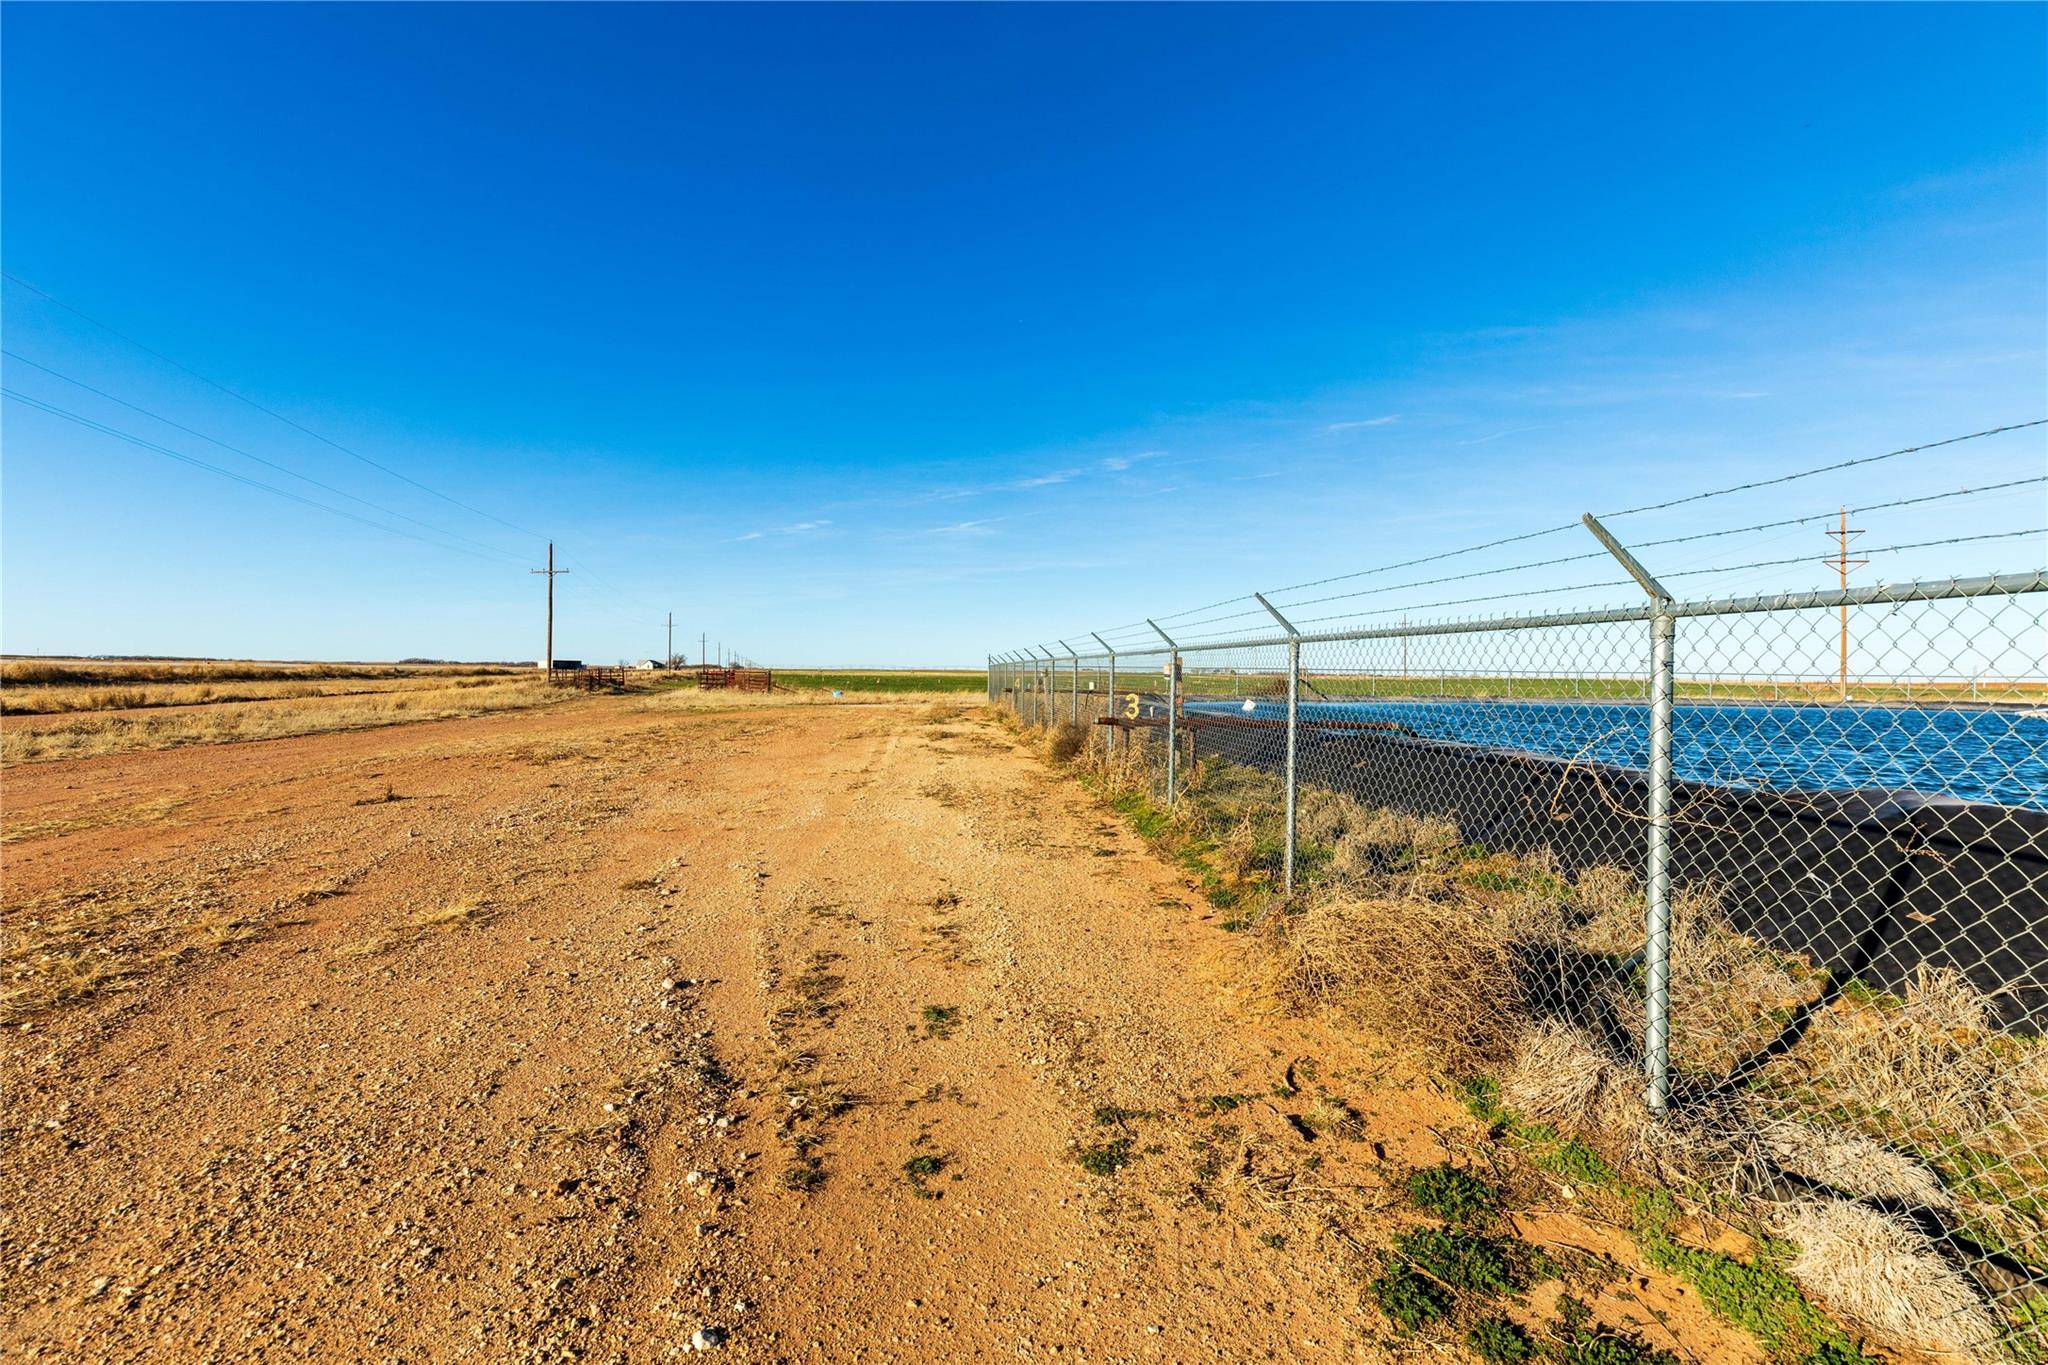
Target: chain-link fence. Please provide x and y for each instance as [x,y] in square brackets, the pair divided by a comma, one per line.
[1781,860]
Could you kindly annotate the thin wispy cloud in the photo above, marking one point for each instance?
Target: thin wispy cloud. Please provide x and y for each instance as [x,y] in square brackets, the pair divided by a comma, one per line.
[1511,431]
[1362,423]
[977,527]
[794,529]
[1116,464]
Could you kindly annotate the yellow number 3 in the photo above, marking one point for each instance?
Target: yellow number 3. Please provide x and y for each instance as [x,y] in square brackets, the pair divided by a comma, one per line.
[1131,706]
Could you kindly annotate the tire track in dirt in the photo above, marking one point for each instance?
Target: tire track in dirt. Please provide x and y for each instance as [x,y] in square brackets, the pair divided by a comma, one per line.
[518,1084]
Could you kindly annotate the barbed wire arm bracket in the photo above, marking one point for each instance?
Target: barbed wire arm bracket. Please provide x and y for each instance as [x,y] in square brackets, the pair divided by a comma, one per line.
[1109,704]
[1620,551]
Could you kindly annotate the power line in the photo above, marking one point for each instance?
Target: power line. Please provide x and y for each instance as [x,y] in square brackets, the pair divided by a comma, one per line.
[297,426]
[247,455]
[1853,511]
[1825,469]
[1875,550]
[269,412]
[1649,507]
[182,458]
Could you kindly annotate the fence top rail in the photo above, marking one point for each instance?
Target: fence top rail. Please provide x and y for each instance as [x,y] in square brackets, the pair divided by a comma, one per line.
[1881,594]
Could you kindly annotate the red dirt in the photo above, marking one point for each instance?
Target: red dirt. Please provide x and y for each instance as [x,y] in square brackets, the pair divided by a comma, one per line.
[528,1061]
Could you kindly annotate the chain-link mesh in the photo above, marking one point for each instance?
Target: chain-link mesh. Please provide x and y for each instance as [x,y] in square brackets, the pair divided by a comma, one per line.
[1813,922]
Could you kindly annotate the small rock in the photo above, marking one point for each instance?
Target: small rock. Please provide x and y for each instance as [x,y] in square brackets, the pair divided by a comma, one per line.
[707,1338]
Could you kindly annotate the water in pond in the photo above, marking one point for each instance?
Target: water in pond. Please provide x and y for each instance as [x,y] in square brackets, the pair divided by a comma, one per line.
[1976,754]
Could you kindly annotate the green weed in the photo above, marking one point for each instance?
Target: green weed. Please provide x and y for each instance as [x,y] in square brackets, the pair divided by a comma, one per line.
[1453,1195]
[1498,1341]
[1408,1300]
[1106,1158]
[1756,1296]
[921,1168]
[1458,1259]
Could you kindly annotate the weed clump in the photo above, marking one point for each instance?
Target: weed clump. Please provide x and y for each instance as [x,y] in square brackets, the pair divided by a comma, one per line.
[1498,1341]
[1408,1300]
[1883,1273]
[921,1168]
[1461,1260]
[1065,741]
[1428,973]
[1576,1339]
[1757,1296]
[1458,1198]
[1106,1158]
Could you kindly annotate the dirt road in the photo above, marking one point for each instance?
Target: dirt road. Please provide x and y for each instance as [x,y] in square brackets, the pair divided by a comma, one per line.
[824,1032]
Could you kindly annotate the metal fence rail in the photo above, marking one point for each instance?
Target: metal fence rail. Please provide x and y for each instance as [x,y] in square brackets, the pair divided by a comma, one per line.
[1767,872]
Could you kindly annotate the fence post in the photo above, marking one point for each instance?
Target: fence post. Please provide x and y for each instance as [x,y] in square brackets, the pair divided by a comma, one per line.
[1293,731]
[1108,701]
[1657,813]
[1052,682]
[1657,948]
[1073,683]
[1172,706]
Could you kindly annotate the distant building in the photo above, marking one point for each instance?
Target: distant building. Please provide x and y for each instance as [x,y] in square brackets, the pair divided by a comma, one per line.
[568,665]
[647,665]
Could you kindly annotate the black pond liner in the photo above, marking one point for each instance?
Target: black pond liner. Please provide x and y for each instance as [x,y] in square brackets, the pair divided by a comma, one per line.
[1871,885]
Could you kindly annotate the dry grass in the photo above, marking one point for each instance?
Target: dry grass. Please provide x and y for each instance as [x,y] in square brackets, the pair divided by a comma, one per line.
[125,673]
[87,736]
[463,914]
[1429,974]
[1065,741]
[61,949]
[1236,849]
[1852,1164]
[1467,958]
[1883,1273]
[1931,1063]
[72,700]
[1732,993]
[1560,1077]
[724,699]
[1377,842]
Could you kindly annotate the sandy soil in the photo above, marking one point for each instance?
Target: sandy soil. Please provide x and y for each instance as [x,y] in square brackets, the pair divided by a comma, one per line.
[572,1033]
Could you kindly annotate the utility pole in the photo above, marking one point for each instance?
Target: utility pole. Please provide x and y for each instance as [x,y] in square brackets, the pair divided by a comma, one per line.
[1841,563]
[668,660]
[548,663]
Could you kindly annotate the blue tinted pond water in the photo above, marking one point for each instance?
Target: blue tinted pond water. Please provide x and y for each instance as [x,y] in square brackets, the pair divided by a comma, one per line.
[1978,755]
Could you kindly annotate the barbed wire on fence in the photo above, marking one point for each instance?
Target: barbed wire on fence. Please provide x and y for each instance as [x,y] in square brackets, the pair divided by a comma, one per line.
[1780,856]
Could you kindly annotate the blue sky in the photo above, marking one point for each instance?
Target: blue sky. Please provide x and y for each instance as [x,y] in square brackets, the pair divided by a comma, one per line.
[903,334]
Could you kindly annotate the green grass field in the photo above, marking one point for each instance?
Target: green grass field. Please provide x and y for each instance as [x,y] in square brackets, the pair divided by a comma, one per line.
[1351,687]
[908,680]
